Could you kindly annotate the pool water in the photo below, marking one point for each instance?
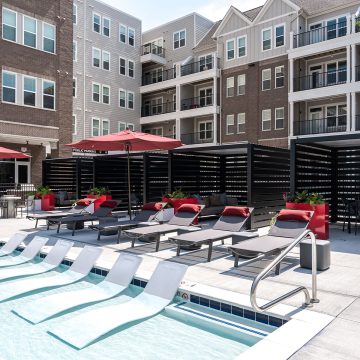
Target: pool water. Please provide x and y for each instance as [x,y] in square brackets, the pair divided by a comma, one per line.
[165,336]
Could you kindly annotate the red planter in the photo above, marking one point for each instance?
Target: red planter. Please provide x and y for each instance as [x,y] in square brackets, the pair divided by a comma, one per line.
[48,202]
[319,223]
[99,199]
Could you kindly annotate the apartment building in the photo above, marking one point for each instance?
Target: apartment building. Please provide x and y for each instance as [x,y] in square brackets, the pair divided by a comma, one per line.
[180,77]
[36,75]
[107,70]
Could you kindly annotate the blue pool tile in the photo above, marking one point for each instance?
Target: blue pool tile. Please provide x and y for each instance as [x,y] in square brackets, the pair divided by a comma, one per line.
[237,311]
[194,299]
[248,314]
[262,318]
[215,304]
[273,321]
[136,282]
[143,283]
[204,302]
[226,308]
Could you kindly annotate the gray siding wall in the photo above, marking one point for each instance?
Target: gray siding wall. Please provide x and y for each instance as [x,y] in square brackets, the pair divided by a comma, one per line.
[202,26]
[86,39]
[277,7]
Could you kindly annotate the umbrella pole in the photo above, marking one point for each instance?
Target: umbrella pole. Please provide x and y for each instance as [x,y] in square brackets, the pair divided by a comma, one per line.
[129,185]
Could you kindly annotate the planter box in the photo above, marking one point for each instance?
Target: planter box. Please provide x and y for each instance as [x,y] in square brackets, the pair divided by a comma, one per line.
[99,199]
[319,223]
[48,202]
[37,205]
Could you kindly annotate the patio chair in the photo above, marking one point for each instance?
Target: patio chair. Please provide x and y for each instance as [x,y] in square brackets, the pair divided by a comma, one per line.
[115,282]
[147,216]
[12,244]
[77,221]
[83,329]
[182,221]
[289,225]
[24,204]
[351,210]
[232,220]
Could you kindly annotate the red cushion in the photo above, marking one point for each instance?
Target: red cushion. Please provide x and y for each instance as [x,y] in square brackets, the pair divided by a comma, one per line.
[109,204]
[189,208]
[236,211]
[294,215]
[156,206]
[84,202]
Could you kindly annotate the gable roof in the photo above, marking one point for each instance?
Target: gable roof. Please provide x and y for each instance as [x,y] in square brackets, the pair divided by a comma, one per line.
[207,42]
[252,13]
[312,7]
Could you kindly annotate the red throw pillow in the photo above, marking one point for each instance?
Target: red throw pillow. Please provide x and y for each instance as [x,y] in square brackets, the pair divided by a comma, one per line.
[236,211]
[109,204]
[156,206]
[189,208]
[83,202]
[294,215]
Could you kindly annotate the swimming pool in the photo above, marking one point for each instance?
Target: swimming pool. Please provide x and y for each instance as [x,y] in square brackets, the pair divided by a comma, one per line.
[182,331]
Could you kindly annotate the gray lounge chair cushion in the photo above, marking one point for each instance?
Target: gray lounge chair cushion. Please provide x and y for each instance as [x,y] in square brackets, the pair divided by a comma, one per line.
[75,218]
[155,229]
[146,215]
[230,223]
[183,218]
[212,210]
[288,229]
[201,236]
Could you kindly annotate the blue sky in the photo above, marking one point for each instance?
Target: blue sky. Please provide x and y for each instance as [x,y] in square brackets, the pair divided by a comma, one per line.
[156,12]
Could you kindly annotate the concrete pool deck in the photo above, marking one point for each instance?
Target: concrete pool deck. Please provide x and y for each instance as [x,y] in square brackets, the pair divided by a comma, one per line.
[338,287]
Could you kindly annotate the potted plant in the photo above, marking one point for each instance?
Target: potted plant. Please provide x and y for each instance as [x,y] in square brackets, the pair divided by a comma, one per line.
[178,198]
[45,197]
[100,194]
[305,200]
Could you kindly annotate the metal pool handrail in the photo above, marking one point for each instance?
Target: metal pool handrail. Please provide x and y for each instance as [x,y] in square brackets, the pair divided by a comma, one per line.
[308,301]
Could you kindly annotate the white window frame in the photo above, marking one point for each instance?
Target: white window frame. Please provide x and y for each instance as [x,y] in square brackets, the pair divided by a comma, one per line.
[23,31]
[75,78]
[42,94]
[2,86]
[128,69]
[283,118]
[263,112]
[227,52]
[43,37]
[237,46]
[133,100]
[228,125]
[100,25]
[278,77]
[103,121]
[262,79]
[119,125]
[262,39]
[241,76]
[125,99]
[227,86]
[92,58]
[16,24]
[205,122]
[128,35]
[154,131]
[130,126]
[275,27]
[74,125]
[102,94]
[205,97]
[173,39]
[92,126]
[125,33]
[125,69]
[92,92]
[75,51]
[102,60]
[103,27]
[34,92]
[238,123]
[76,14]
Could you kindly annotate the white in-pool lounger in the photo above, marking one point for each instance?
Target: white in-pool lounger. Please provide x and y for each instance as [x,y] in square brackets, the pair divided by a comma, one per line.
[77,271]
[31,250]
[52,260]
[12,244]
[82,330]
[116,281]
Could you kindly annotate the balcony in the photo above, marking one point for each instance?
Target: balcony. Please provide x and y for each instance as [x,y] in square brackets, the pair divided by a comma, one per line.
[357,73]
[158,109]
[202,137]
[151,53]
[320,80]
[158,77]
[330,124]
[199,66]
[197,102]
[357,24]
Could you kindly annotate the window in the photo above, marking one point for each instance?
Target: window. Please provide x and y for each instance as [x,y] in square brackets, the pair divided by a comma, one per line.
[206,62]
[74,125]
[74,14]
[29,84]
[155,131]
[206,97]
[122,98]
[131,68]
[96,92]
[279,76]
[106,94]
[241,82]
[105,127]
[230,49]
[130,100]
[106,26]
[266,79]
[95,127]
[29,32]
[229,124]
[279,35]
[205,130]
[279,118]
[96,57]
[74,51]
[179,39]
[49,33]
[9,25]
[131,35]
[122,66]
[122,34]
[241,46]
[241,123]
[266,39]
[96,23]
[266,120]
[9,87]
[230,87]
[336,117]
[131,126]
[121,126]
[74,88]
[48,94]
[106,60]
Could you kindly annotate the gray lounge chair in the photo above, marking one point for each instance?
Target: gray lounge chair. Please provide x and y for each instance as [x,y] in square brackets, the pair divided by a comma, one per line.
[280,236]
[227,226]
[182,221]
[145,217]
[12,244]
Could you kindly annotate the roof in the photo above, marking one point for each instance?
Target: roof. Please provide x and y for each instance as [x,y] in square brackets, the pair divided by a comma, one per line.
[312,7]
[252,13]
[207,41]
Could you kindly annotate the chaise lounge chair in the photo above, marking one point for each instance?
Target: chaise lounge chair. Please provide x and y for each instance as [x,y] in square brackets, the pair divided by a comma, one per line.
[232,220]
[116,281]
[182,221]
[82,330]
[289,225]
[147,216]
[12,244]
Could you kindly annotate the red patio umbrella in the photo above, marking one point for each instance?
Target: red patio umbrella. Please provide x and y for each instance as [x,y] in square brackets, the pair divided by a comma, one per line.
[6,153]
[127,140]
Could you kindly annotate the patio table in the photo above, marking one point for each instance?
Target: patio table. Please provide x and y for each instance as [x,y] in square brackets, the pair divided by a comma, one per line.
[11,199]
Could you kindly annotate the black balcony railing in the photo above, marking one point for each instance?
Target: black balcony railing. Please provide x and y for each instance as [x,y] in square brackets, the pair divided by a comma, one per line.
[357,73]
[357,24]
[319,80]
[202,137]
[320,34]
[158,109]
[330,124]
[21,190]
[197,102]
[198,66]
[357,122]
[152,49]
[158,76]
